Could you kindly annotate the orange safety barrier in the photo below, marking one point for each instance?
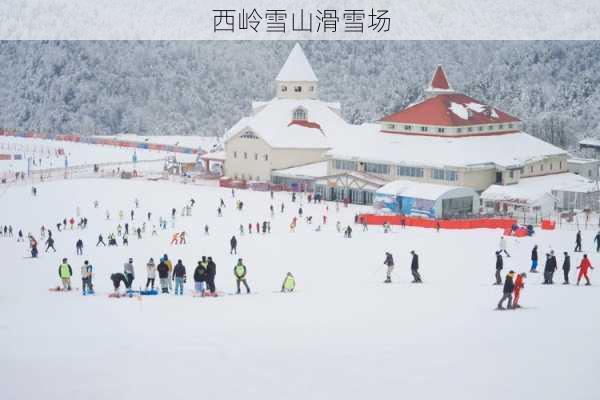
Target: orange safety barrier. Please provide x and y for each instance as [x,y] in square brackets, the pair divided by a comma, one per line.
[490,223]
[548,224]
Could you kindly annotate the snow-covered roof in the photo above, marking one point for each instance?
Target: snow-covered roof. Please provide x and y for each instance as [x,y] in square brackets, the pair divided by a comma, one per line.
[582,161]
[590,142]
[215,155]
[296,68]
[367,143]
[532,190]
[273,122]
[309,171]
[450,109]
[420,190]
[439,80]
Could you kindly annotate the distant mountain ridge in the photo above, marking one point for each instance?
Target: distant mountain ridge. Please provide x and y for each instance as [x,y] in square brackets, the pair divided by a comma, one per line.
[203,88]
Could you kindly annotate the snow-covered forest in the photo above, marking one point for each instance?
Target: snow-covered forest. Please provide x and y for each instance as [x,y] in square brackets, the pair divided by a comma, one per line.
[204,87]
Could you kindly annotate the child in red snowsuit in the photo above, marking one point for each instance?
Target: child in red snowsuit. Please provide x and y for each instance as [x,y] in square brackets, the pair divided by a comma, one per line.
[583,270]
[519,284]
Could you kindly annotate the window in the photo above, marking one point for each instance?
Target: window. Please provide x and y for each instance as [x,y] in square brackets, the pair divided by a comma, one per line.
[440,130]
[550,166]
[407,127]
[266,157]
[490,127]
[424,129]
[522,171]
[500,126]
[541,167]
[458,130]
[409,171]
[510,126]
[248,135]
[531,169]
[481,129]
[345,165]
[383,169]
[312,89]
[300,114]
[284,88]
[511,174]
[470,129]
[390,126]
[444,174]
[235,154]
[297,89]
[255,156]
[560,165]
[245,156]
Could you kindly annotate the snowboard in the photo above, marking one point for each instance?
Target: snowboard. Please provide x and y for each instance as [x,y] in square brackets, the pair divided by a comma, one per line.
[60,289]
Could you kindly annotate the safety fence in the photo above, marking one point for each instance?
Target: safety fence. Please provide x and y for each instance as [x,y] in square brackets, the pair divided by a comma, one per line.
[102,141]
[491,223]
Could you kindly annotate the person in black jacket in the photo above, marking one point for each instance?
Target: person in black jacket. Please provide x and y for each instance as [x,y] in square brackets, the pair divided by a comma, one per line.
[578,241]
[414,267]
[50,244]
[79,247]
[566,268]
[534,259]
[233,243]
[507,292]
[597,240]
[549,269]
[117,278]
[389,262]
[179,276]
[200,277]
[499,267]
[163,275]
[211,273]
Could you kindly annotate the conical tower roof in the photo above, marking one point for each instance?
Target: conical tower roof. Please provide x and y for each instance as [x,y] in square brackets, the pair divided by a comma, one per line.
[296,68]
[439,80]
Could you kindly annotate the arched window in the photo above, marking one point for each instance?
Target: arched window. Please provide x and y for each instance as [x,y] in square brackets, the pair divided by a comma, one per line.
[283,88]
[300,114]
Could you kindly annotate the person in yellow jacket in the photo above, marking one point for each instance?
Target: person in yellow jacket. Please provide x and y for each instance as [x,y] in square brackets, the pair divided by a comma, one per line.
[65,272]
[240,274]
[170,266]
[289,283]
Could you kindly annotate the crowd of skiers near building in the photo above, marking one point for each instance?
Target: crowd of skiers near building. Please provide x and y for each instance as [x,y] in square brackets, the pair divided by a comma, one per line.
[515,282]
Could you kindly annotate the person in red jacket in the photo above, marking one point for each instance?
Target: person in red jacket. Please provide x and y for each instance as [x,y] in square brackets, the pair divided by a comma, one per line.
[519,284]
[583,270]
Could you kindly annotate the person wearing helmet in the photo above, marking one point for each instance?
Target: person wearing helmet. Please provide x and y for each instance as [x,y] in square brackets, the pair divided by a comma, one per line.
[289,283]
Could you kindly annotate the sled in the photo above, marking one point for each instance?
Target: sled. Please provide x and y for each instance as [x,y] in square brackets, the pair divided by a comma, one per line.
[151,292]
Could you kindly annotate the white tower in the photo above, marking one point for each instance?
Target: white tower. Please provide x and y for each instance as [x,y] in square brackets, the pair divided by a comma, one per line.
[296,80]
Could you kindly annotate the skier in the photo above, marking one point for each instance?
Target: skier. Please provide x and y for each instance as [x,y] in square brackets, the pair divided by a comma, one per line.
[79,247]
[389,262]
[222,203]
[86,278]
[100,241]
[20,236]
[179,276]
[65,272]
[503,246]
[597,240]
[149,215]
[300,212]
[151,270]
[50,244]
[125,240]
[200,277]
[132,214]
[534,259]
[182,237]
[414,267]
[499,266]
[175,238]
[129,272]
[211,273]
[519,284]
[126,228]
[163,276]
[206,229]
[282,207]
[289,283]
[549,268]
[139,232]
[578,242]
[240,274]
[507,291]
[119,229]
[566,268]
[33,247]
[170,266]
[117,278]
[241,229]
[250,228]
[583,270]
[233,244]
[219,212]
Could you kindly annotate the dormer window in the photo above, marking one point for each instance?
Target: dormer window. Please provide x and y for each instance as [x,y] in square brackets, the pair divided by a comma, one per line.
[299,114]
[297,89]
[284,88]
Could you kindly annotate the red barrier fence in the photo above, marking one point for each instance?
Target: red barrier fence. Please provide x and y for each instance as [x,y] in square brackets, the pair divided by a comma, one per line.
[491,223]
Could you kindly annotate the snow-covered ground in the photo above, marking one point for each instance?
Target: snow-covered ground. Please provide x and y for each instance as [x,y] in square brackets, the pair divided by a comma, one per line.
[344,334]
[76,154]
